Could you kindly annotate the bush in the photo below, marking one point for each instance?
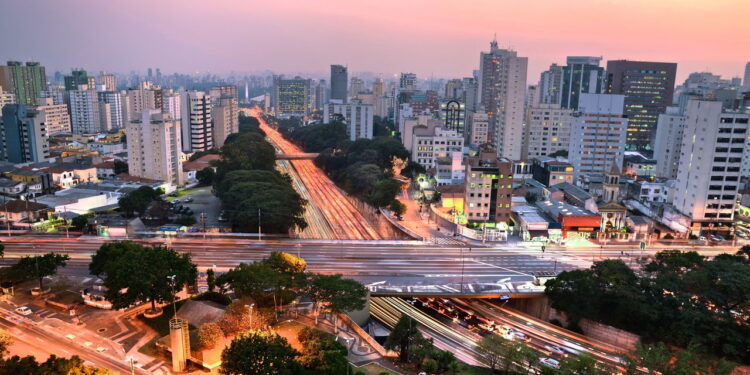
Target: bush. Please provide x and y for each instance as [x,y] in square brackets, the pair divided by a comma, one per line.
[217,297]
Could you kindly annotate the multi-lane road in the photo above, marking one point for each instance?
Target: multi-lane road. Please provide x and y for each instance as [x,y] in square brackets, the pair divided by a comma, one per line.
[344,219]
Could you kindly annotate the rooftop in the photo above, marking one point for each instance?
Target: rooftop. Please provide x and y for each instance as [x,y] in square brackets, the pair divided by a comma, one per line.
[572,190]
[18,205]
[556,208]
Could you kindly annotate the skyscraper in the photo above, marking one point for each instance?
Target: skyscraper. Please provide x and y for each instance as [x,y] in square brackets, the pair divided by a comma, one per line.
[339,82]
[24,134]
[224,113]
[550,84]
[197,132]
[108,80]
[85,115]
[356,116]
[75,79]
[581,75]
[26,82]
[291,97]
[502,89]
[746,79]
[110,109]
[648,88]
[154,147]
[356,86]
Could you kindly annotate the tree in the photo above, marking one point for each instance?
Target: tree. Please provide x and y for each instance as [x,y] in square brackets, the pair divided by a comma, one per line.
[52,366]
[253,281]
[206,176]
[563,153]
[490,350]
[412,170]
[530,357]
[322,353]
[41,266]
[398,208]
[581,364]
[211,279]
[404,334]
[337,294]
[281,207]
[259,353]
[209,335]
[120,167]
[5,340]
[237,318]
[138,200]
[383,193]
[531,198]
[247,151]
[135,273]
[80,222]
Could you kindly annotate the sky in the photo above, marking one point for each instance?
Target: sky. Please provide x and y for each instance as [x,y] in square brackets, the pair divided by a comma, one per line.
[435,38]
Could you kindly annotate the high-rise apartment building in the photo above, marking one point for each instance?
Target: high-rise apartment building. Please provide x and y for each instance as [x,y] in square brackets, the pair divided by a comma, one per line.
[708,177]
[480,127]
[26,82]
[453,116]
[407,81]
[746,79]
[339,83]
[454,89]
[356,86]
[502,86]
[597,134]
[197,125]
[224,90]
[109,81]
[292,97]
[154,147]
[581,75]
[171,104]
[85,115]
[547,130]
[356,116]
[58,95]
[24,134]
[224,112]
[321,95]
[55,116]
[378,87]
[429,145]
[648,88]
[77,78]
[6,98]
[550,85]
[668,142]
[136,100]
[110,109]
[489,186]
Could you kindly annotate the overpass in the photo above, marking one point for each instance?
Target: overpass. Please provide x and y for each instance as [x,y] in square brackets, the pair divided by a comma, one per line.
[297,156]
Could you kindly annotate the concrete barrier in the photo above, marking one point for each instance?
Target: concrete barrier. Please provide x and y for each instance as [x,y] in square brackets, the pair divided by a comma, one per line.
[609,334]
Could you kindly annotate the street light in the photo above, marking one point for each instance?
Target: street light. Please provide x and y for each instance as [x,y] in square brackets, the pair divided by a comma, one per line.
[132,366]
[250,307]
[174,295]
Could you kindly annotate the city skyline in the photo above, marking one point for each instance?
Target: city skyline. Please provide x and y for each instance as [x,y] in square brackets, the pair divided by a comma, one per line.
[442,41]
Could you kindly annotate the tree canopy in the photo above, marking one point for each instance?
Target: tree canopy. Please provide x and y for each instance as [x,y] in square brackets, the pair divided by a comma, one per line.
[40,266]
[137,201]
[259,353]
[54,365]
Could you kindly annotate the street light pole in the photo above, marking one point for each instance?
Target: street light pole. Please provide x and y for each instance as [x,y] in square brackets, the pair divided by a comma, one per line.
[259,230]
[251,308]
[174,295]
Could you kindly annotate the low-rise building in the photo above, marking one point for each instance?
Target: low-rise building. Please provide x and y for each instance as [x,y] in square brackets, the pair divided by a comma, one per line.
[10,188]
[551,171]
[575,222]
[639,167]
[489,187]
[23,211]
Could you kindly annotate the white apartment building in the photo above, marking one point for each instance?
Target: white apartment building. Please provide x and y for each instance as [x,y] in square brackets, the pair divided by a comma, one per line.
[110,109]
[356,116]
[85,117]
[450,170]
[56,116]
[597,134]
[547,130]
[224,112]
[154,147]
[441,143]
[668,142]
[171,104]
[6,98]
[136,100]
[713,144]
[197,132]
[480,127]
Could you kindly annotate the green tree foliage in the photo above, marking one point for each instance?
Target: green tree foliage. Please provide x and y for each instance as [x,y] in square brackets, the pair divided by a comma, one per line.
[337,295]
[199,154]
[209,335]
[211,280]
[237,318]
[279,276]
[248,151]
[383,193]
[657,359]
[41,266]
[403,337]
[259,353]
[491,350]
[206,176]
[563,153]
[120,167]
[248,124]
[682,299]
[398,208]
[5,340]
[316,138]
[235,177]
[134,273]
[321,353]
[382,127]
[412,170]
[80,222]
[281,207]
[138,200]
[52,366]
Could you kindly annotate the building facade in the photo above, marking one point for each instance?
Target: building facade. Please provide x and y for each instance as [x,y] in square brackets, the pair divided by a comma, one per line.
[489,187]
[668,142]
[197,124]
[26,82]
[292,97]
[339,83]
[224,112]
[154,144]
[358,117]
[598,134]
[24,134]
[85,115]
[547,130]
[56,116]
[581,75]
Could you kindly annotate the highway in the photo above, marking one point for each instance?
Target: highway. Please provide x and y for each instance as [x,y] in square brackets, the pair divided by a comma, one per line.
[344,219]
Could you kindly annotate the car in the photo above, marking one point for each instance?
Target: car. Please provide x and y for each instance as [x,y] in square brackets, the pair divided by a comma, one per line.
[24,310]
[702,238]
[518,335]
[176,201]
[70,336]
[556,349]
[101,349]
[188,200]
[550,362]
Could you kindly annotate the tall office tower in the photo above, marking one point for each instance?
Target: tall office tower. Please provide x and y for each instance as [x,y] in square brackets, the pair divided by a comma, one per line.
[470,94]
[480,127]
[24,81]
[154,147]
[110,108]
[550,85]
[55,116]
[356,116]
[24,134]
[502,86]
[453,116]
[378,88]
[321,95]
[6,98]
[356,86]
[648,88]
[746,79]
[581,75]
[407,81]
[85,117]
[56,94]
[339,82]
[109,81]
[150,74]
[598,134]
[547,130]
[454,89]
[171,104]
[224,90]
[292,97]
[197,133]
[668,142]
[708,175]
[75,79]
[158,76]
[224,112]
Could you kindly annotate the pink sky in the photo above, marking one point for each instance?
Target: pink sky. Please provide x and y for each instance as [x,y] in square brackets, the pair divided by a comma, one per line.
[437,37]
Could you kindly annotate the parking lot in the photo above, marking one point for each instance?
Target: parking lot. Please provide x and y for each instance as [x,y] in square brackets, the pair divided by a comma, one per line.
[201,200]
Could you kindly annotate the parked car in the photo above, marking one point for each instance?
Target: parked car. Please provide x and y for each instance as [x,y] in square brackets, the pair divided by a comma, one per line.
[550,362]
[176,201]
[24,310]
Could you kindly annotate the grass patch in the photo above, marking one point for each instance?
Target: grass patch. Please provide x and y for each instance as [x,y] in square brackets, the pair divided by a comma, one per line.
[161,323]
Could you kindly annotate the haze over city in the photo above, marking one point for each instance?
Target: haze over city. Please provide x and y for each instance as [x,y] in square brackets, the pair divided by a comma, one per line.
[440,38]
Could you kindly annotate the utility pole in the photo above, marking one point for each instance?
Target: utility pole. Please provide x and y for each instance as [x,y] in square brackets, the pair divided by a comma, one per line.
[259,230]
